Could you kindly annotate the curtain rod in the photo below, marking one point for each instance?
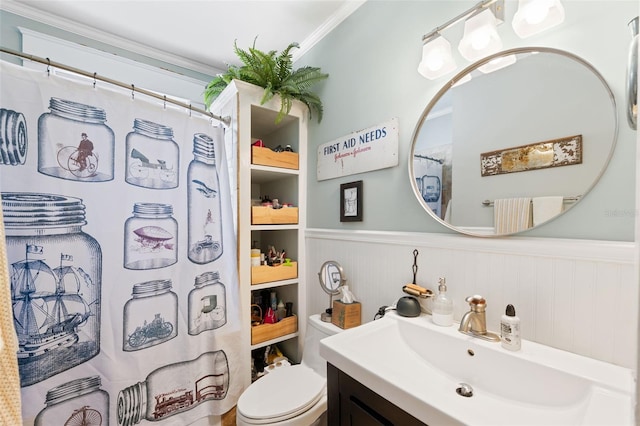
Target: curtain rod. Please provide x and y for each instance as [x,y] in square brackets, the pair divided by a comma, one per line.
[95,76]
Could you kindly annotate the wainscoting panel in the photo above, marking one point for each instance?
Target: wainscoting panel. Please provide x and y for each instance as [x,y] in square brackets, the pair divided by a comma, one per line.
[576,295]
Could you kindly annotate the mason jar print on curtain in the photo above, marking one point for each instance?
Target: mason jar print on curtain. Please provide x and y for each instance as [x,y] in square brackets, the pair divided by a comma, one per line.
[150,316]
[174,388]
[203,200]
[77,402]
[207,303]
[150,237]
[75,143]
[14,138]
[56,273]
[152,156]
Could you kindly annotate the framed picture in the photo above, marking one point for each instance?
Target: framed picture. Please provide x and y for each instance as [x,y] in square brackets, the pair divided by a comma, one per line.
[351,202]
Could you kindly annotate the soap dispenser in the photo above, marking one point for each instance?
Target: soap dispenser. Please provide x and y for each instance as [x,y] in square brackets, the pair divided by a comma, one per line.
[442,310]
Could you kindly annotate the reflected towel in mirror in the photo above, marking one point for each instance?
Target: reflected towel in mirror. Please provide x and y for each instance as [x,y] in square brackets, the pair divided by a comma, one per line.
[545,208]
[511,214]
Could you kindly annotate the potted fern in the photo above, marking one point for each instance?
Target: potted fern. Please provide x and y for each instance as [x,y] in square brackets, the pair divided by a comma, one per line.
[274,72]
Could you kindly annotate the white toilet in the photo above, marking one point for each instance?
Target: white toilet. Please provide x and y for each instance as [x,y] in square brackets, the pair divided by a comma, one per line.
[295,395]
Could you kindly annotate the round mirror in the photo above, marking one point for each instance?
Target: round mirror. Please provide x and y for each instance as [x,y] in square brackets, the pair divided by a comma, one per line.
[513,141]
[331,277]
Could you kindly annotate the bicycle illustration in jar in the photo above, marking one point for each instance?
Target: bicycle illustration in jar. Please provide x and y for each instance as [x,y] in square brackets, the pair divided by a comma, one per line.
[85,416]
[81,161]
[142,168]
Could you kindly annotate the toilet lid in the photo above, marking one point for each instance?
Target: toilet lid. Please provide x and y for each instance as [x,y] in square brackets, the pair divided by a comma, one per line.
[283,393]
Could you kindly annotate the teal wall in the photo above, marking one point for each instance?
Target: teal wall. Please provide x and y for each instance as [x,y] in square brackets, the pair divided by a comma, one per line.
[372,59]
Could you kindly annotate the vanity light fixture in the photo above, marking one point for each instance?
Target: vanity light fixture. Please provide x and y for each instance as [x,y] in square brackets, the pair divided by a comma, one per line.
[535,16]
[480,37]
[437,59]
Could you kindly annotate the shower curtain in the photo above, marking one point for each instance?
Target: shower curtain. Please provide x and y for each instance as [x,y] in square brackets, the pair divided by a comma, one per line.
[121,255]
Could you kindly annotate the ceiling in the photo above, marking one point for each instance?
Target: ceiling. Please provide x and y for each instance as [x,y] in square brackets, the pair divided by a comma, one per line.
[198,34]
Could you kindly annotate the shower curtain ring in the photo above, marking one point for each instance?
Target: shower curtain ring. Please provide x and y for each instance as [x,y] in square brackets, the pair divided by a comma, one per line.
[48,67]
[165,102]
[133,91]
[94,80]
[189,110]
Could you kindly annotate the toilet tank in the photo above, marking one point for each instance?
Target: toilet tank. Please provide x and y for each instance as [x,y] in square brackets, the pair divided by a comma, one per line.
[316,331]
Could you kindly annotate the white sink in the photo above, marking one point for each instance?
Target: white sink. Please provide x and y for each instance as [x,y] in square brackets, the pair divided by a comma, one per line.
[418,366]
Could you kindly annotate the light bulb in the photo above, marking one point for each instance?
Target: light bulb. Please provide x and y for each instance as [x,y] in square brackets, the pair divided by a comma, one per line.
[535,16]
[480,36]
[436,58]
[434,62]
[537,12]
[480,39]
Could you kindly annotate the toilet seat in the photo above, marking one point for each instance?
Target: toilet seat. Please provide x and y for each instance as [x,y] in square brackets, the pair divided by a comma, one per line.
[282,394]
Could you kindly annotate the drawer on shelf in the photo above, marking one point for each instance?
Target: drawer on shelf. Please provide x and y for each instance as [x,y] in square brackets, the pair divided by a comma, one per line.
[270,216]
[267,157]
[264,274]
[263,332]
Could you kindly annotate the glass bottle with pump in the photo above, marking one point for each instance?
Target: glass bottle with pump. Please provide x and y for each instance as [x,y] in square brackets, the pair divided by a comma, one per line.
[203,200]
[175,388]
[442,311]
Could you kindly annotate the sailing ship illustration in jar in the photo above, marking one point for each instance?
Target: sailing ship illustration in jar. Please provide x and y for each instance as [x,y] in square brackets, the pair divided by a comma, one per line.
[203,200]
[56,273]
[175,388]
[75,403]
[75,142]
[152,156]
[150,237]
[13,137]
[207,303]
[150,316]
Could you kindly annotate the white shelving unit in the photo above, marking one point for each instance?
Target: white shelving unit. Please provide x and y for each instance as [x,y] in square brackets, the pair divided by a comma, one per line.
[251,121]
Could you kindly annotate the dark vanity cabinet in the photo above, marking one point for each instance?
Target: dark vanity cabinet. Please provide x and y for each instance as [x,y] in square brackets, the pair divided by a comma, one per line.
[352,404]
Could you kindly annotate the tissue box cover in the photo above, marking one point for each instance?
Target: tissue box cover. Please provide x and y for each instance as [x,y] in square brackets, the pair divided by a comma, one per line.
[346,315]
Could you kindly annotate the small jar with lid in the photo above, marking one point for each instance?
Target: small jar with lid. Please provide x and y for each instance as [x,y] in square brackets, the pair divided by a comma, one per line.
[153,157]
[75,143]
[150,237]
[54,267]
[207,303]
[150,316]
[78,402]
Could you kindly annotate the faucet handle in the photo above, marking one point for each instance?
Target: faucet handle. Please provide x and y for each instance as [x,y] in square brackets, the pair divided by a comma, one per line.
[476,302]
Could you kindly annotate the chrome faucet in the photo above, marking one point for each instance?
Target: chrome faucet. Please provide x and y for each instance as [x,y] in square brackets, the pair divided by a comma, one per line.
[474,322]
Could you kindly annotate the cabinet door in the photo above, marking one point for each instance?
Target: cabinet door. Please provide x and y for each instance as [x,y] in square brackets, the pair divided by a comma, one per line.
[352,404]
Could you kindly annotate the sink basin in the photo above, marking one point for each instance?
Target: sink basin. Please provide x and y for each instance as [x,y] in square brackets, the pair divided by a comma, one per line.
[420,367]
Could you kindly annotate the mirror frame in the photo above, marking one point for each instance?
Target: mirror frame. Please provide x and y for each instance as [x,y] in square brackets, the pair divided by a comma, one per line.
[449,84]
[324,270]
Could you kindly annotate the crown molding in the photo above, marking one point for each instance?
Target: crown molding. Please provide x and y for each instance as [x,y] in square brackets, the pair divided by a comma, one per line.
[329,25]
[107,38]
[110,39]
